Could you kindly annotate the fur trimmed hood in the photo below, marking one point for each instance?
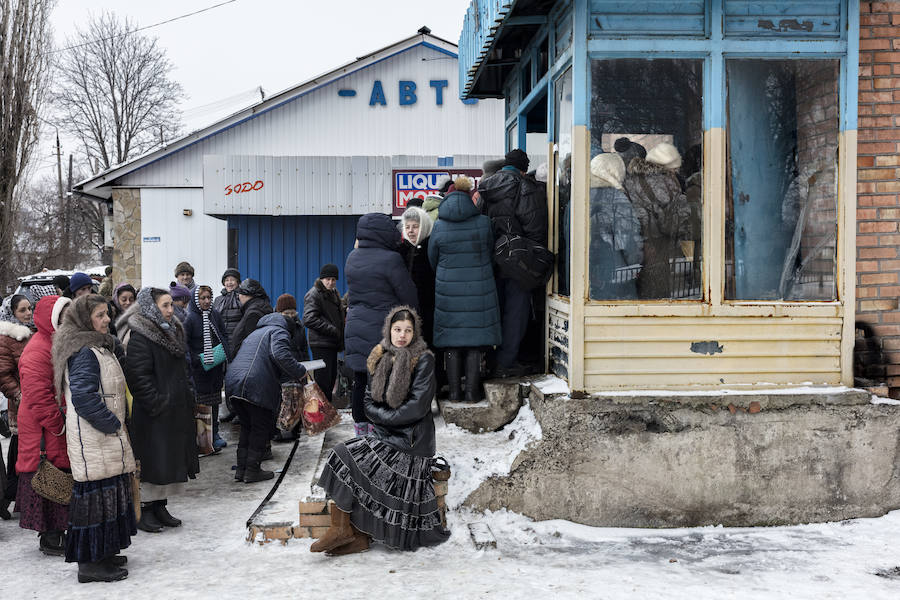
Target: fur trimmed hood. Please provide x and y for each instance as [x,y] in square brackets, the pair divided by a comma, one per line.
[391,368]
[640,166]
[16,331]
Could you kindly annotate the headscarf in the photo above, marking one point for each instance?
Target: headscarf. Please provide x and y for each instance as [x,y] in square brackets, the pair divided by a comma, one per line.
[7,311]
[77,332]
[122,287]
[417,215]
[207,324]
[149,309]
[392,367]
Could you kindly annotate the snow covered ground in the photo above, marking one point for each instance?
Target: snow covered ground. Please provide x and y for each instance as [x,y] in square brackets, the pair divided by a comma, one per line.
[208,557]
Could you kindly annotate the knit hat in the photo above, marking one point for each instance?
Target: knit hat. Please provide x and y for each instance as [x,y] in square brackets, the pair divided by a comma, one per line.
[184,267]
[231,272]
[328,270]
[179,292]
[251,287]
[629,149]
[607,170]
[491,166]
[285,302]
[665,155]
[516,158]
[78,281]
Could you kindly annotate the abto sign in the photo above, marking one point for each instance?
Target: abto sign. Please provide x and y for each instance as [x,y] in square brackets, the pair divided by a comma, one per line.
[418,183]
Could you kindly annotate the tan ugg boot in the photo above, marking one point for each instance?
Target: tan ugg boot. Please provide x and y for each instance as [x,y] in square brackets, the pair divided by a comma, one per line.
[360,543]
[340,532]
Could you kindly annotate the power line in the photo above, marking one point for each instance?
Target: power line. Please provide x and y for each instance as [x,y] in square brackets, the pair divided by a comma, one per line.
[113,37]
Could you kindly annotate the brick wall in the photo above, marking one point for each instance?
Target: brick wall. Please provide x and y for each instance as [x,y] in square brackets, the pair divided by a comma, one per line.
[878,208]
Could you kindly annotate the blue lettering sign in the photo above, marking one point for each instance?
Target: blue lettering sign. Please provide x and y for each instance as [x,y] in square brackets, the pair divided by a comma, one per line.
[407,93]
[377,96]
[439,85]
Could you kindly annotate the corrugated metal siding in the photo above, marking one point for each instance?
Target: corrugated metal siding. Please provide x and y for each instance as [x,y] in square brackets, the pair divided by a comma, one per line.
[651,352]
[785,18]
[286,253]
[483,19]
[310,185]
[648,17]
[324,124]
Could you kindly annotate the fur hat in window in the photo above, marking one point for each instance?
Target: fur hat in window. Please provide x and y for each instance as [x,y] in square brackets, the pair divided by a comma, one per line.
[607,170]
[665,155]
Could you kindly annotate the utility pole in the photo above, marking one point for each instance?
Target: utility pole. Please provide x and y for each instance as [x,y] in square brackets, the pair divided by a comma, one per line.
[62,199]
[68,213]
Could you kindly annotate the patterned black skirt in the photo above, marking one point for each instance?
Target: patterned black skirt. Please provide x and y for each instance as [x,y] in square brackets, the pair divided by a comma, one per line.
[388,493]
[101,519]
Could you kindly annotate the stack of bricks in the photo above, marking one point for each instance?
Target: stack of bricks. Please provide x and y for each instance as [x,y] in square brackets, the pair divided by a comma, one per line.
[315,518]
[878,190]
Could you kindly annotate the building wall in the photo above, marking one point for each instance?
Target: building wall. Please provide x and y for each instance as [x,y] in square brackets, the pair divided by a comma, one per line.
[878,203]
[127,236]
[199,239]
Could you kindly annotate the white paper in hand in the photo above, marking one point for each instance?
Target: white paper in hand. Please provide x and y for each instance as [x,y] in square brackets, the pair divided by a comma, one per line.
[312,365]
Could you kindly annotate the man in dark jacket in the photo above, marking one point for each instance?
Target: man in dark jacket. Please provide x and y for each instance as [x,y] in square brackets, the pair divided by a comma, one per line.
[516,204]
[255,305]
[253,382]
[323,316]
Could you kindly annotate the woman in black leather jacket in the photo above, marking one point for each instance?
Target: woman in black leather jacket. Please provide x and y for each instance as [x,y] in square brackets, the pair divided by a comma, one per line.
[381,483]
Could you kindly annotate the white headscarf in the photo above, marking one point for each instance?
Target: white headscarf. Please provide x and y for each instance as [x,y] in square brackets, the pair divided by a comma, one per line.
[417,215]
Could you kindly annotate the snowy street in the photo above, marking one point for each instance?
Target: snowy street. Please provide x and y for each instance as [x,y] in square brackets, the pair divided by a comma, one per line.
[208,557]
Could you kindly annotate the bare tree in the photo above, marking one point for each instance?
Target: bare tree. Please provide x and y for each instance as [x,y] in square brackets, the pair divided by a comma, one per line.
[25,43]
[115,95]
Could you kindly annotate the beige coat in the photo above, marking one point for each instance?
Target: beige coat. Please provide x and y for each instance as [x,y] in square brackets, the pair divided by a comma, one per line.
[95,455]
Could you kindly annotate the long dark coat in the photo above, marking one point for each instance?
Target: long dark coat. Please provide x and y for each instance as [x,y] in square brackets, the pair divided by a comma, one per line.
[466,313]
[323,316]
[516,204]
[229,307]
[422,273]
[205,382]
[252,312]
[163,432]
[377,281]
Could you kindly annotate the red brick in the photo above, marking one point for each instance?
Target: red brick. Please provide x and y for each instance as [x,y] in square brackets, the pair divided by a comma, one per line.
[882,70]
[877,200]
[874,19]
[887,330]
[889,317]
[884,32]
[873,174]
[888,291]
[895,19]
[878,147]
[866,122]
[870,318]
[891,160]
[865,71]
[887,239]
[878,43]
[888,213]
[864,188]
[885,304]
[879,57]
[891,344]
[755,407]
[866,266]
[867,240]
[887,186]
[883,7]
[877,253]
[876,278]
[865,161]
[890,265]
[888,134]
[867,214]
[878,227]
[882,83]
[867,292]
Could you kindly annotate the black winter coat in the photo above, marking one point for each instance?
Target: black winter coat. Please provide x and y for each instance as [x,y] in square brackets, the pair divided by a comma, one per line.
[323,316]
[264,361]
[251,313]
[419,267]
[377,281]
[410,426]
[516,204]
[466,313]
[229,307]
[205,382]
[163,432]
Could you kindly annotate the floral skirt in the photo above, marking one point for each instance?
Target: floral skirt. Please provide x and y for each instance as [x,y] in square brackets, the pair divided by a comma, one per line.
[101,519]
[388,493]
[36,512]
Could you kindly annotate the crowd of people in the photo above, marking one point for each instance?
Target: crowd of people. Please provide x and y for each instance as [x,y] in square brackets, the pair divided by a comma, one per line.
[110,386]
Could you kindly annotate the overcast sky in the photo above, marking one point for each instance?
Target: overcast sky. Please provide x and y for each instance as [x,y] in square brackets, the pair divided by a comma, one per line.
[221,55]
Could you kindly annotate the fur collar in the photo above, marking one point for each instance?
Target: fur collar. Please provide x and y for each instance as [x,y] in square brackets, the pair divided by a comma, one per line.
[640,166]
[16,331]
[332,295]
[392,368]
[172,342]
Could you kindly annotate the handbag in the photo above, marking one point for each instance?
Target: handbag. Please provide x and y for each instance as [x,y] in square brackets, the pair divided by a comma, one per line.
[50,482]
[291,406]
[526,262]
[318,413]
[218,355]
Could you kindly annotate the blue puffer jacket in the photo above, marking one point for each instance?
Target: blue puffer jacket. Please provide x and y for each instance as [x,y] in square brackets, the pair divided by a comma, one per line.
[205,382]
[262,363]
[466,312]
[377,281]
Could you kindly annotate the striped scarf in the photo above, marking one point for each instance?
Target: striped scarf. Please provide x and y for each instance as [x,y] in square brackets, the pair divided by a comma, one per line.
[207,327]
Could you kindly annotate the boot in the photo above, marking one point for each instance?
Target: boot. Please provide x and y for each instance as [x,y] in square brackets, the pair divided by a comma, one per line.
[454,375]
[253,472]
[267,455]
[473,376]
[100,571]
[162,514]
[52,543]
[149,522]
[341,532]
[241,464]
[360,543]
[117,560]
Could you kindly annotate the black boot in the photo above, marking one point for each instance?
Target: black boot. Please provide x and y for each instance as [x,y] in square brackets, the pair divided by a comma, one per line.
[149,522]
[52,543]
[241,464]
[267,455]
[118,560]
[100,571]
[4,509]
[454,375]
[473,376]
[162,514]
[254,473]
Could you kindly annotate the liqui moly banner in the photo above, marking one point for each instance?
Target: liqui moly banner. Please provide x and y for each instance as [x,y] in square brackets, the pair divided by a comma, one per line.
[418,183]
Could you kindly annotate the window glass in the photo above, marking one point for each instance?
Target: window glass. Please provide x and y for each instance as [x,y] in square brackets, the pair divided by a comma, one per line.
[781,188]
[563,35]
[563,161]
[646,179]
[512,136]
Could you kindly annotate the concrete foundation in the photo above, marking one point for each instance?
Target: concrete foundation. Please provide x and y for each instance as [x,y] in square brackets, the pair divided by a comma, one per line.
[501,403]
[735,460]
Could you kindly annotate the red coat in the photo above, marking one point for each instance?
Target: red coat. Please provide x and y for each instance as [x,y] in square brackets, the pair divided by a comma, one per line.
[39,411]
[13,337]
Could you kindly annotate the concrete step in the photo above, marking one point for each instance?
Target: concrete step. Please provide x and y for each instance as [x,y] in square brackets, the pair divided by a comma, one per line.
[501,403]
